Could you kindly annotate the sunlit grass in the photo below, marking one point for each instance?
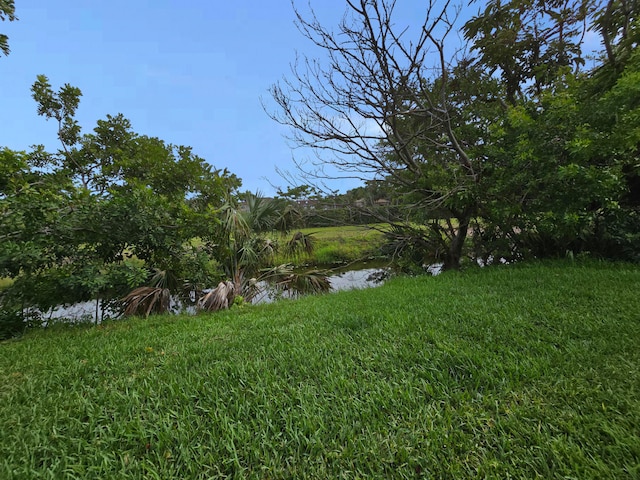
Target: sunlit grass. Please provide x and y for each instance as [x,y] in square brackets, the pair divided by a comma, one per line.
[507,372]
[338,245]
[346,231]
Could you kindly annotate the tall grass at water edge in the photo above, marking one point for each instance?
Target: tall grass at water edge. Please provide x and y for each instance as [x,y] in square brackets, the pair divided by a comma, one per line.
[528,371]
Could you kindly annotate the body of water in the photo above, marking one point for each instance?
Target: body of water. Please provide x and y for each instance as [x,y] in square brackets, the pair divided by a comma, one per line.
[360,275]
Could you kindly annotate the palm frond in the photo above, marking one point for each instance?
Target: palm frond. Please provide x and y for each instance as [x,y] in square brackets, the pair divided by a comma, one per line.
[147,300]
[219,298]
[300,242]
[285,279]
[164,279]
[312,282]
[415,244]
[268,214]
[273,274]
[235,222]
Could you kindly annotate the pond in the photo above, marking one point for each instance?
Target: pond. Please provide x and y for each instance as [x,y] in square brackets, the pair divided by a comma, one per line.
[355,275]
[345,277]
[363,274]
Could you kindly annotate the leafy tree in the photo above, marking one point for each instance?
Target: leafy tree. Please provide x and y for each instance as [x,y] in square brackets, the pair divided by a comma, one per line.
[617,23]
[300,193]
[7,12]
[498,139]
[380,103]
[528,42]
[564,164]
[107,210]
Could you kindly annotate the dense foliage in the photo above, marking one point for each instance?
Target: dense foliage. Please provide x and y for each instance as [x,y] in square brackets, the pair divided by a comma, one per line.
[516,138]
[130,222]
[513,148]
[101,215]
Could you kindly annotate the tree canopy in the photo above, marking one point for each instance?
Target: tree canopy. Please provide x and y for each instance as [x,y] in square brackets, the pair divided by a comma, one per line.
[99,216]
[130,222]
[504,138]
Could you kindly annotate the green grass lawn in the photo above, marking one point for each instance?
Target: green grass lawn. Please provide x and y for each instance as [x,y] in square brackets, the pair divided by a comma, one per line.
[335,245]
[528,371]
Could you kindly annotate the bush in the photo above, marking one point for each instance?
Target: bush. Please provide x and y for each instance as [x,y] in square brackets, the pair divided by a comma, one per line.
[12,323]
[620,239]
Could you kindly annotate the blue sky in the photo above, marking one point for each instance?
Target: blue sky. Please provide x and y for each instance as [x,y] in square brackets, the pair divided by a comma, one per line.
[190,72]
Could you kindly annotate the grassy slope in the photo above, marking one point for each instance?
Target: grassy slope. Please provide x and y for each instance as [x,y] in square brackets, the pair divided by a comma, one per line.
[523,372]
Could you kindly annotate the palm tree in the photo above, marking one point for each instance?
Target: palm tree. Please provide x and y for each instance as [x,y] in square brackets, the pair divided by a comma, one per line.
[247,252]
[146,300]
[154,297]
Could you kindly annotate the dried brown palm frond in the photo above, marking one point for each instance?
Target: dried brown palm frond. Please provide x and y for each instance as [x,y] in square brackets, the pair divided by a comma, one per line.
[146,300]
[219,298]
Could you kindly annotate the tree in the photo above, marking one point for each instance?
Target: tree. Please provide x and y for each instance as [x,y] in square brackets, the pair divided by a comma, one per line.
[386,106]
[564,164]
[299,193]
[482,138]
[109,211]
[528,42]
[7,12]
[617,23]
[246,252]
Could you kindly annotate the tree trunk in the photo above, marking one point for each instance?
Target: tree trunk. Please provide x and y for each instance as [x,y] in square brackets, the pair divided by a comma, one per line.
[454,255]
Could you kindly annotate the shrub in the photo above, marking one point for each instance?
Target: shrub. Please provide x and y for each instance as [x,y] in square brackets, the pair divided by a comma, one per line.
[12,323]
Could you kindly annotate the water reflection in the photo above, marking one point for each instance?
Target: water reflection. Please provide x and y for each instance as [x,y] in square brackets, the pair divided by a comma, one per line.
[364,278]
